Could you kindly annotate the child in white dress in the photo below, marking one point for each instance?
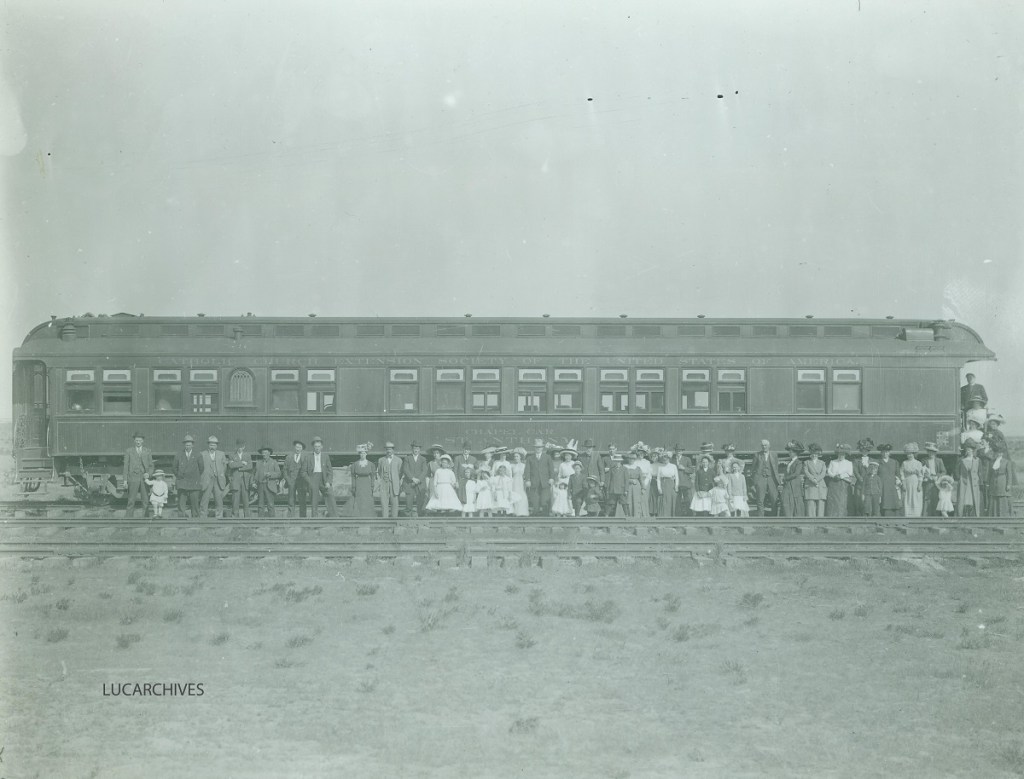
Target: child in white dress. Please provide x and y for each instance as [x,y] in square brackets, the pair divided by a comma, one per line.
[560,506]
[720,498]
[501,489]
[484,499]
[469,507]
[738,490]
[444,496]
[157,493]
[945,485]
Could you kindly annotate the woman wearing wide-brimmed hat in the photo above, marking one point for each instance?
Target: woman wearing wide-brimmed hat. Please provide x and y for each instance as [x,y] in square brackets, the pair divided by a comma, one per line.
[793,482]
[968,477]
[888,472]
[703,483]
[934,468]
[635,498]
[861,471]
[666,483]
[815,490]
[912,475]
[838,480]
[999,478]
[363,474]
[520,503]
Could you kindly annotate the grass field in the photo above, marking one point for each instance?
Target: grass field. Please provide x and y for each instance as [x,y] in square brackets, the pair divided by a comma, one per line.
[316,668]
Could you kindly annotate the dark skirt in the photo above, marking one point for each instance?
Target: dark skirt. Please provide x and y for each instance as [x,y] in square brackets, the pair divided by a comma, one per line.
[835,501]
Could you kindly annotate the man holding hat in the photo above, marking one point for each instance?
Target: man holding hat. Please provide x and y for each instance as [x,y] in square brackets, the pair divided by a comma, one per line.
[320,474]
[389,474]
[538,478]
[415,472]
[188,471]
[766,477]
[138,464]
[295,479]
[240,468]
[268,474]
[214,478]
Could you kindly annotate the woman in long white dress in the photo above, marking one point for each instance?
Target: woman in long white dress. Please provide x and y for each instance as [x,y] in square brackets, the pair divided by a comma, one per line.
[520,503]
[444,494]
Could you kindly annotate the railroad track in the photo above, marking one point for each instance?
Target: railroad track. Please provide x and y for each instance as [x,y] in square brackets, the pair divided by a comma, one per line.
[514,541]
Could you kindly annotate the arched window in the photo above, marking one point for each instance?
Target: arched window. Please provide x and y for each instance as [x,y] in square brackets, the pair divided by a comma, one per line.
[240,387]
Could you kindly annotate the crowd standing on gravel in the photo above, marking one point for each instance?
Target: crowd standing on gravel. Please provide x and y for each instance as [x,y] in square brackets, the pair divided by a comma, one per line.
[576,480]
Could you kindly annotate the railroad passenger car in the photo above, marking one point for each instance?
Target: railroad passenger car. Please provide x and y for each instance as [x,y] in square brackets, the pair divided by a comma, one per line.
[83,385]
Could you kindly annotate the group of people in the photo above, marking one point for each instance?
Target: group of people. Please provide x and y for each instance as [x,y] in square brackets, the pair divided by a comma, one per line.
[210,476]
[570,480]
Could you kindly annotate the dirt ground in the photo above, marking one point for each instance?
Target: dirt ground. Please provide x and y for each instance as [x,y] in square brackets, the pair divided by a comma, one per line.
[317,668]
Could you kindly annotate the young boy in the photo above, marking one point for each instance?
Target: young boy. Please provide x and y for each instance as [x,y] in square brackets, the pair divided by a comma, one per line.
[592,498]
[873,492]
[157,493]
[577,487]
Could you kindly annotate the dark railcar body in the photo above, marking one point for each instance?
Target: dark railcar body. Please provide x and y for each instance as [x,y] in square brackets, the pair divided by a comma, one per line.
[83,385]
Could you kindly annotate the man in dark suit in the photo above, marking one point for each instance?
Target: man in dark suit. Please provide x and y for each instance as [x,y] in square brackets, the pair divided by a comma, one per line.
[606,462]
[685,466]
[188,470]
[591,462]
[240,473]
[295,479]
[214,478]
[138,464]
[415,472]
[463,464]
[320,475]
[972,392]
[538,479]
[765,471]
[389,474]
[267,476]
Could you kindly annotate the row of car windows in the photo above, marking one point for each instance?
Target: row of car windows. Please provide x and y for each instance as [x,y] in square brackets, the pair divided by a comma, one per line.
[457,390]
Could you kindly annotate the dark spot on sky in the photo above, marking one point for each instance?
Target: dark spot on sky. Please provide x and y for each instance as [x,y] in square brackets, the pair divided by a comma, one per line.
[736,92]
[590,100]
[720,97]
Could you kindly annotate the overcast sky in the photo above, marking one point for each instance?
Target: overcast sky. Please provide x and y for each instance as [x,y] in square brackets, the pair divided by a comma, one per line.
[657,158]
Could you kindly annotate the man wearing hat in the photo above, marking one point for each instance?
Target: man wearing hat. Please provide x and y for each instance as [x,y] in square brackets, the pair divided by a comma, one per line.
[389,474]
[617,481]
[591,464]
[268,474]
[460,465]
[972,396]
[686,468]
[138,464]
[188,471]
[934,468]
[295,479]
[415,472]
[214,478]
[766,477]
[606,464]
[240,471]
[319,473]
[538,479]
